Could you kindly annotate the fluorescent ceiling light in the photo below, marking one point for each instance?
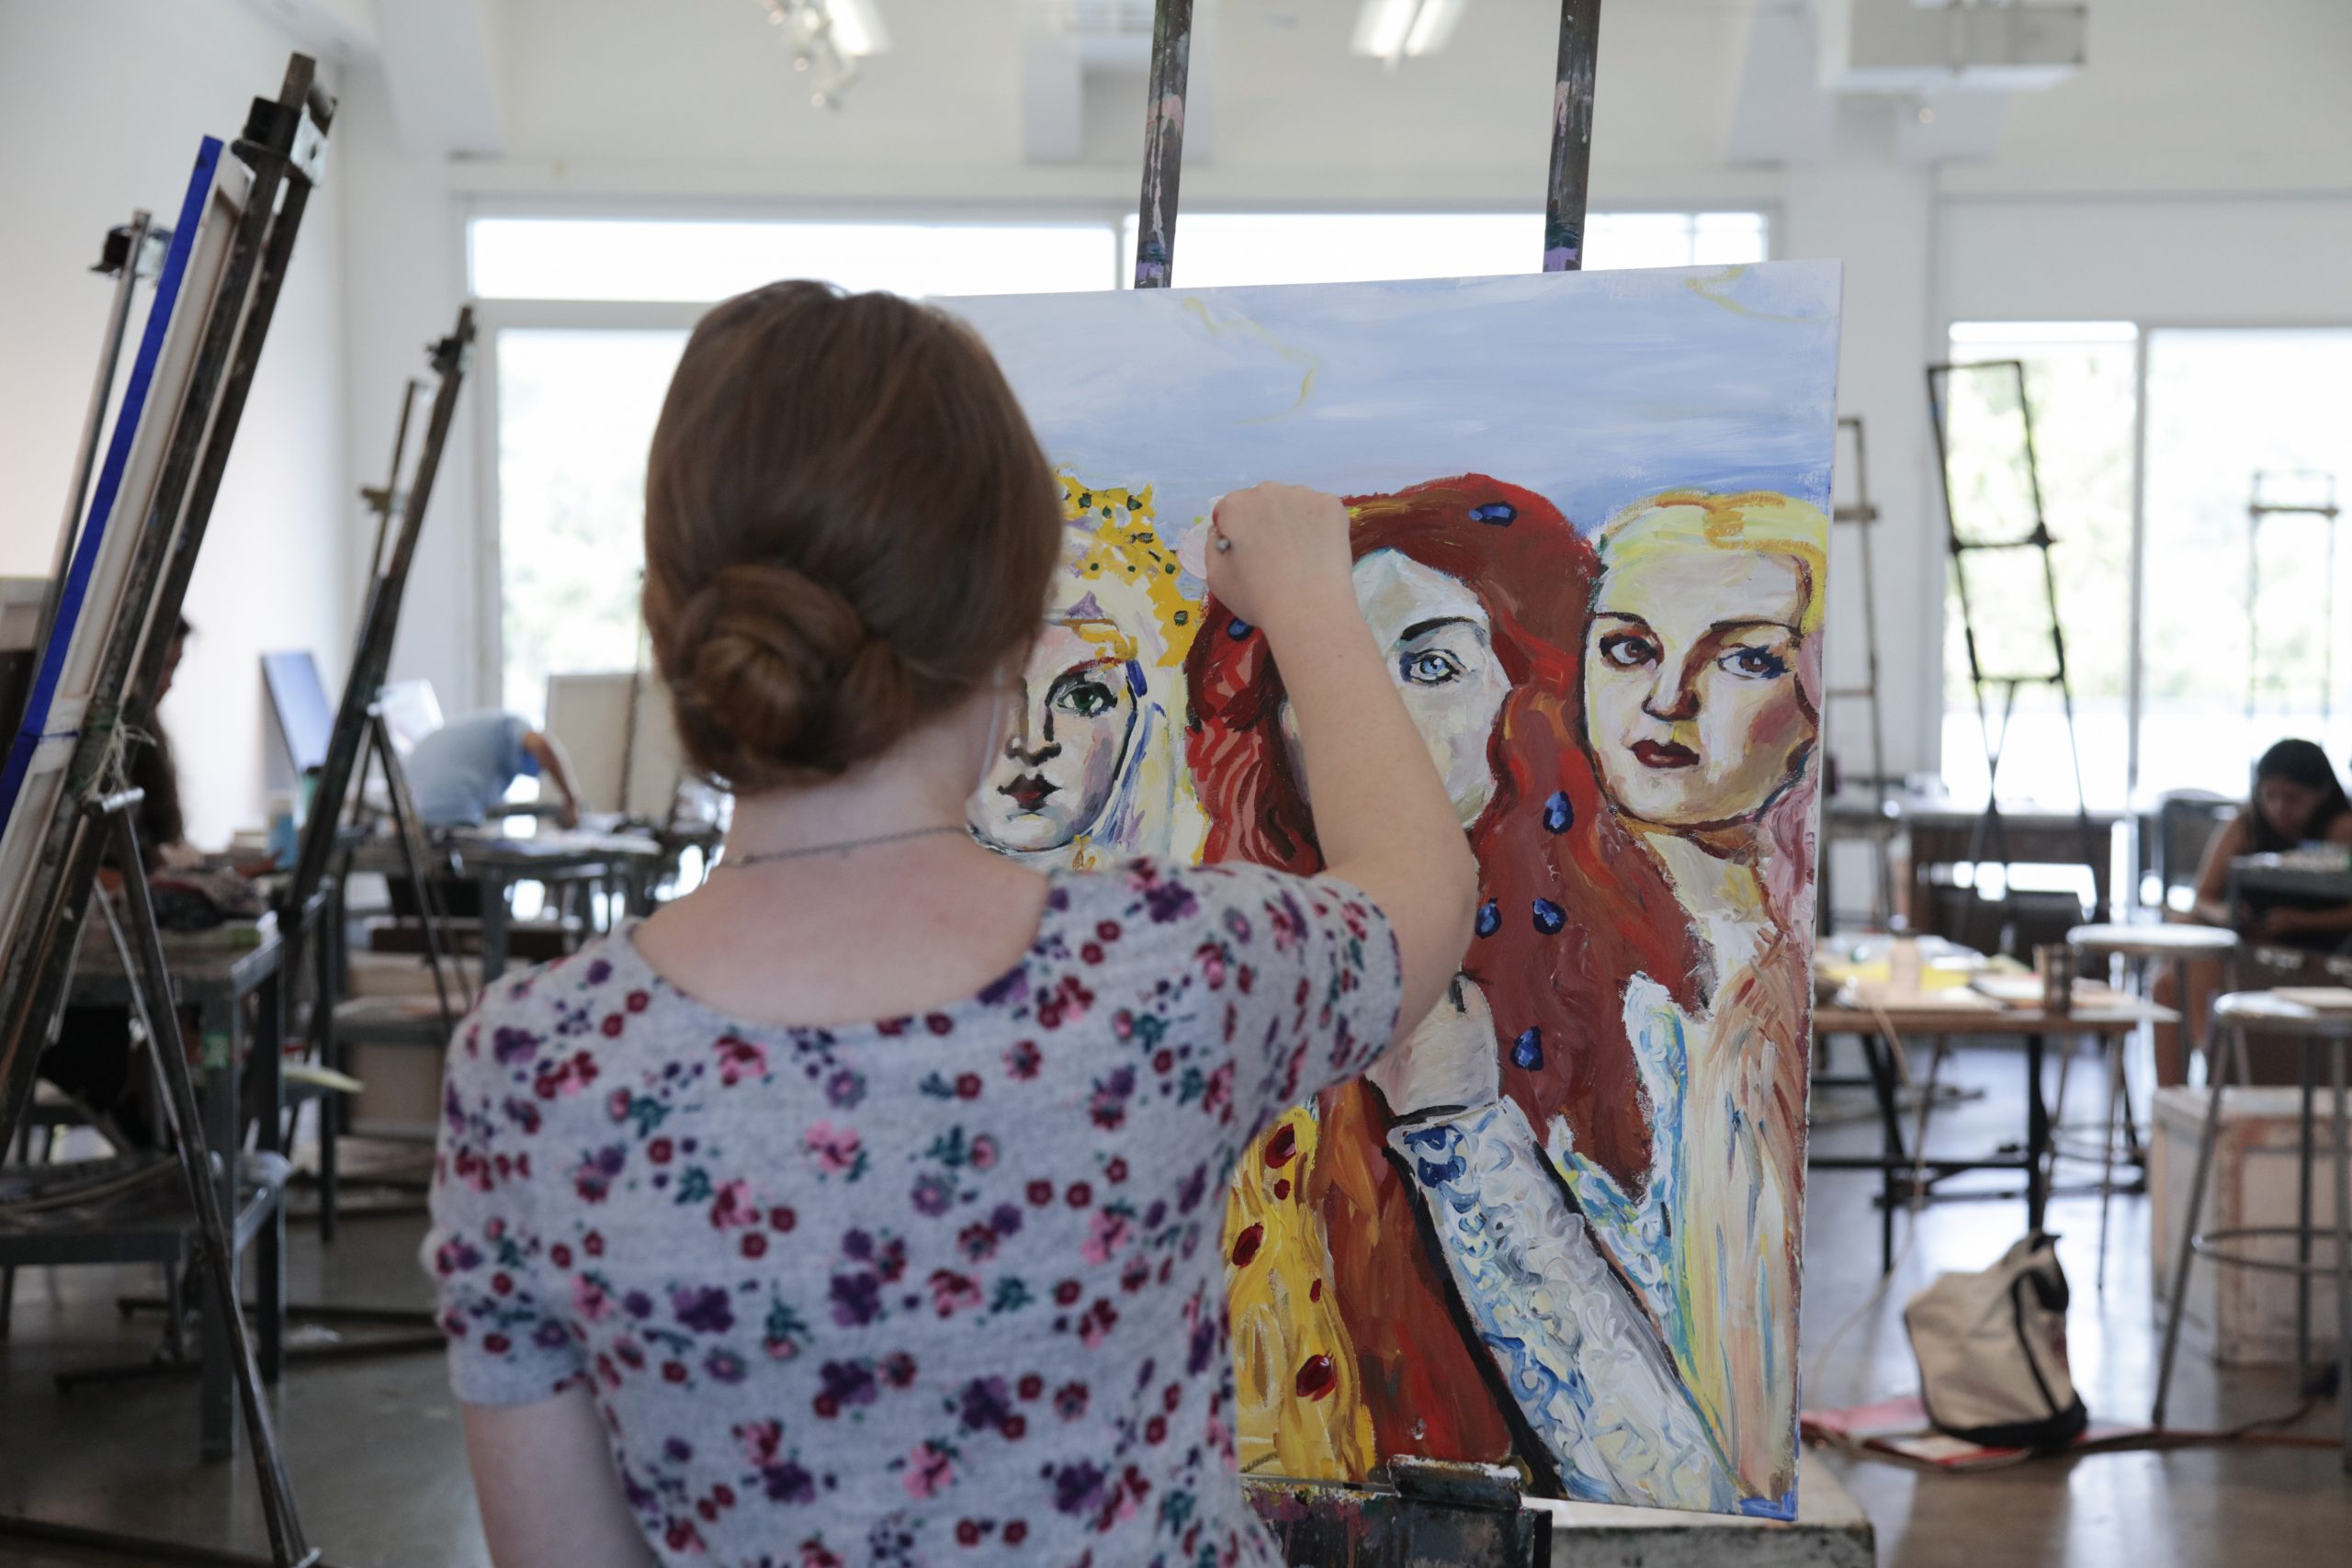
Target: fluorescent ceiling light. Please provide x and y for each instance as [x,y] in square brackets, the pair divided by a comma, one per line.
[1391,29]
[1382,27]
[857,27]
[1433,26]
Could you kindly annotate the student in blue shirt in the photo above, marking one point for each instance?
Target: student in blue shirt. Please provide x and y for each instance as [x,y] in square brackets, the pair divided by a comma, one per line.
[461,771]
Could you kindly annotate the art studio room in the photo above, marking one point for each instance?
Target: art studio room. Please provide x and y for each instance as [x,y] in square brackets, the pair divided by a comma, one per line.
[1175,783]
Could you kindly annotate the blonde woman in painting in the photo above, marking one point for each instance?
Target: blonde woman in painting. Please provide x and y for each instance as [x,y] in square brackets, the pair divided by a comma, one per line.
[1088,773]
[1702,687]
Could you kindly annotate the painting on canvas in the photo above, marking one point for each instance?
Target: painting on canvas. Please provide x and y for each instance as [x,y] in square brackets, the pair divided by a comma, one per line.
[1559,1227]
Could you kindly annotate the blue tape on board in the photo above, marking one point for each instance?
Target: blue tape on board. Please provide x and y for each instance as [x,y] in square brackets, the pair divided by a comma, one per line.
[127,418]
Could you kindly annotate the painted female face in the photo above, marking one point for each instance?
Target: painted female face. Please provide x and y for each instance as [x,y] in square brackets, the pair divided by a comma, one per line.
[1691,690]
[1069,740]
[1438,641]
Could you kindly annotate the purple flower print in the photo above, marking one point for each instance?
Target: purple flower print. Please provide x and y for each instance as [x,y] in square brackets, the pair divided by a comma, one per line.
[933,1194]
[511,1046]
[704,1310]
[844,1089]
[1078,1488]
[787,1483]
[593,1179]
[1167,901]
[986,1402]
[849,1382]
[858,1299]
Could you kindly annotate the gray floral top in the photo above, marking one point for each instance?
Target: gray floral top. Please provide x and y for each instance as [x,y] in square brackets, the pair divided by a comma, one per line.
[938,1289]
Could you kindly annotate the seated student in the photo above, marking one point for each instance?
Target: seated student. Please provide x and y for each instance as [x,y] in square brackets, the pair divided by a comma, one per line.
[860,1269]
[94,1060]
[2297,800]
[461,771]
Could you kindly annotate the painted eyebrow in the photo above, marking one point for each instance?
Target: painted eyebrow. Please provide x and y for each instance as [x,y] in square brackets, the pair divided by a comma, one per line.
[1423,628]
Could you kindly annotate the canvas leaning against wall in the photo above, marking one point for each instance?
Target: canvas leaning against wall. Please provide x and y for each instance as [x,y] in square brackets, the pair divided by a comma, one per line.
[1559,1227]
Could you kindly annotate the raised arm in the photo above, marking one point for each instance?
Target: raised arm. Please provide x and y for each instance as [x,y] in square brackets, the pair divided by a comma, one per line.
[1280,561]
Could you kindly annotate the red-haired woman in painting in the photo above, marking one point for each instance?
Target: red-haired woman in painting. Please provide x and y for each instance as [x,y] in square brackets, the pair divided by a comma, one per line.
[1352,1342]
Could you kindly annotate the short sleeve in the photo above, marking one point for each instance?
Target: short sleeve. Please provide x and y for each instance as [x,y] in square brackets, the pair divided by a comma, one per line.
[1316,986]
[510,1338]
[515,759]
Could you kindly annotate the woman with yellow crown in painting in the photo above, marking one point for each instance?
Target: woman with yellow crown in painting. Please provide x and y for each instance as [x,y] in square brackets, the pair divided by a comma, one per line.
[1090,769]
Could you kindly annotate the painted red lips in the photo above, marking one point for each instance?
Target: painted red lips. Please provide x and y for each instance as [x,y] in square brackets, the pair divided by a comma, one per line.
[1028,792]
[1665,754]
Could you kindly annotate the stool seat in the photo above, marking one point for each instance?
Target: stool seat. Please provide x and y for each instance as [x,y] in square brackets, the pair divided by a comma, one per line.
[2154,940]
[2268,1014]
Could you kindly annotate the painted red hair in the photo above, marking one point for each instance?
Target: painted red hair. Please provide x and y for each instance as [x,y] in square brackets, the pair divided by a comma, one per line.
[1571,909]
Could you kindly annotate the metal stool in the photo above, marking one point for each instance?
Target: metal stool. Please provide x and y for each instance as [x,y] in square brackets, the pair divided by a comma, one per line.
[2264,1013]
[2141,947]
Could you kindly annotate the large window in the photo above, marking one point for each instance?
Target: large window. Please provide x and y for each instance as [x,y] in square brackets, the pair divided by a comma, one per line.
[587,317]
[575,412]
[699,262]
[2245,624]
[2250,622]
[2080,379]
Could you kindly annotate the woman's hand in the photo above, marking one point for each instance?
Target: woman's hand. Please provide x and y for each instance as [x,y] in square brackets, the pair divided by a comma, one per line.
[1450,1060]
[1276,549]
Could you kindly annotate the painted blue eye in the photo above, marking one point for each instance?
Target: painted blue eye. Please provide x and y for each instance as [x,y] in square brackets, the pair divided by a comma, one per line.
[1559,814]
[1496,514]
[1549,917]
[1490,918]
[1527,1051]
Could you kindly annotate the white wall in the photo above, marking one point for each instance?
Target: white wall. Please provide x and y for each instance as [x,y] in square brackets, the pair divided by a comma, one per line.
[101,103]
[2184,176]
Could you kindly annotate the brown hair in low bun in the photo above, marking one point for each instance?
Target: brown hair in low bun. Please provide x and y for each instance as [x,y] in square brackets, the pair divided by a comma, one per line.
[848,525]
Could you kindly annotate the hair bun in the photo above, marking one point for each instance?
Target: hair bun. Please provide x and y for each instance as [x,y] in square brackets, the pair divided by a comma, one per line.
[785,677]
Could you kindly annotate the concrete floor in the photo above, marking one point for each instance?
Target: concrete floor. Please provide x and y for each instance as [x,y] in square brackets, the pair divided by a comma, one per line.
[378,1467]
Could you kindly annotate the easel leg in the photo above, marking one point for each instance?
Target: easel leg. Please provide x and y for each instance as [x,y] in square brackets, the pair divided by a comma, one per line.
[269,1072]
[141,951]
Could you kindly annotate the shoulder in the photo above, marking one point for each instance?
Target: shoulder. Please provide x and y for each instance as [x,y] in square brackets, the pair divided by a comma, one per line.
[541,1019]
[1231,901]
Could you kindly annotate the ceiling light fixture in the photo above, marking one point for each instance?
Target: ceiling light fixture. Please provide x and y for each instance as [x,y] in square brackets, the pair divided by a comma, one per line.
[828,38]
[1390,30]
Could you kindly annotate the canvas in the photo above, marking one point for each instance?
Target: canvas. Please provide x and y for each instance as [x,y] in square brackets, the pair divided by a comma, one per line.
[1558,1226]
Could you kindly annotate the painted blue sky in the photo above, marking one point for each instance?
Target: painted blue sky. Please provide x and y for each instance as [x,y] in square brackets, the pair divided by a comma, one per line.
[1593,389]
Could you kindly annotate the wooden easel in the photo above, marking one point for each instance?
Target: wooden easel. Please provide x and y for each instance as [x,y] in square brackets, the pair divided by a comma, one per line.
[358,720]
[283,148]
[1430,1511]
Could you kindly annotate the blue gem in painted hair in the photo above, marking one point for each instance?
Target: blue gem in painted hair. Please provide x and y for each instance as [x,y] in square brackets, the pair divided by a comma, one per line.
[1490,918]
[1527,1051]
[1549,917]
[1559,814]
[1498,514]
[1237,630]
